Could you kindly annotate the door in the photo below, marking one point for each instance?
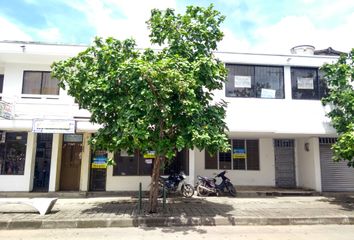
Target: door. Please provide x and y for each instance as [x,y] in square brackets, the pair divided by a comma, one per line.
[284,163]
[335,176]
[71,163]
[98,171]
[42,162]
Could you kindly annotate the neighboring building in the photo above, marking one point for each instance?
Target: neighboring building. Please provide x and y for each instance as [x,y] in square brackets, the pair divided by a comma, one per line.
[279,133]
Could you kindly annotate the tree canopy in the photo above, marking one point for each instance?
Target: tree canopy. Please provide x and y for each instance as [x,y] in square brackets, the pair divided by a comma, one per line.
[340,80]
[149,99]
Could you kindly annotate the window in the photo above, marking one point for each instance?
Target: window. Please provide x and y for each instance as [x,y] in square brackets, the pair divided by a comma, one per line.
[12,153]
[1,82]
[244,156]
[137,165]
[255,81]
[179,163]
[38,82]
[307,83]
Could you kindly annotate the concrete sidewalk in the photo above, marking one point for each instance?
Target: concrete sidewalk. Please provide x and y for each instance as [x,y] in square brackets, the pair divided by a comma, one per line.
[223,210]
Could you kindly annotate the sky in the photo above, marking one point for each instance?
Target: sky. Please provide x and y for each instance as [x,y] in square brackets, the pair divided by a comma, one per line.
[263,26]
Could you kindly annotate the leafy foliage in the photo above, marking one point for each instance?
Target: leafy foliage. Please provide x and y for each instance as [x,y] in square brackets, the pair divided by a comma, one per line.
[154,100]
[340,77]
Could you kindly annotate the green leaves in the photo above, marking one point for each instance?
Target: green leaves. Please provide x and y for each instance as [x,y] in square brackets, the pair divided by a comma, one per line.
[340,80]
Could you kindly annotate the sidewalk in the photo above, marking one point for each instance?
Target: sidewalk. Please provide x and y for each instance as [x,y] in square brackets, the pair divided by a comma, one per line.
[223,210]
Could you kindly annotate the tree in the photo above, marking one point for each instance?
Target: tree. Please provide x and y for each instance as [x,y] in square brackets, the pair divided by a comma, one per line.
[154,100]
[340,80]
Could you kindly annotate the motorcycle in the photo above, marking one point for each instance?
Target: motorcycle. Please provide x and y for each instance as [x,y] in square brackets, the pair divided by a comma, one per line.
[206,186]
[175,183]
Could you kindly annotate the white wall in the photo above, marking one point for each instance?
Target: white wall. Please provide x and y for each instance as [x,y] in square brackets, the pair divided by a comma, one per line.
[264,177]
[308,164]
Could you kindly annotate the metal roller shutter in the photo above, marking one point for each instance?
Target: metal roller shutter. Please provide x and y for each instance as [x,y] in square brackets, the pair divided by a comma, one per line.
[335,176]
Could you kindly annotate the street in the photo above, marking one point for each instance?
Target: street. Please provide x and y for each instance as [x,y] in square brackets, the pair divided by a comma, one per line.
[323,232]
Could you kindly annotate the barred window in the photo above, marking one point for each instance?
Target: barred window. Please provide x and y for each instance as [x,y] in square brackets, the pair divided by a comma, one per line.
[244,155]
[255,81]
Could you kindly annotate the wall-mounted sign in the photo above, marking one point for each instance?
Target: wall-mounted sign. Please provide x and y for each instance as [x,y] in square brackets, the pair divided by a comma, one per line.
[6,110]
[99,159]
[149,155]
[243,82]
[305,83]
[239,153]
[53,126]
[267,93]
[73,138]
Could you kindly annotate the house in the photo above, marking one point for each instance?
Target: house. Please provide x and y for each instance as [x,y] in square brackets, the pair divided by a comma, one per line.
[278,130]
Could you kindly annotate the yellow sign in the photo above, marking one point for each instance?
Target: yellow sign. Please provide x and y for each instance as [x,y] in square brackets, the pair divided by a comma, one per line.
[239,155]
[149,154]
[99,165]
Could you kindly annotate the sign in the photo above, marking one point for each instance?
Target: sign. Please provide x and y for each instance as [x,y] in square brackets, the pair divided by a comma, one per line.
[99,159]
[305,83]
[148,161]
[267,93]
[149,154]
[243,82]
[53,126]
[239,153]
[73,138]
[6,110]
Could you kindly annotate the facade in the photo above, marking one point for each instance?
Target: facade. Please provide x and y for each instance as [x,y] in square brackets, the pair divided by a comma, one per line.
[278,130]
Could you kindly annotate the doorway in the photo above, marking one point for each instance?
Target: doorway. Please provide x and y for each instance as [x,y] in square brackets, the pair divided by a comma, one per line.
[98,171]
[284,163]
[71,162]
[42,162]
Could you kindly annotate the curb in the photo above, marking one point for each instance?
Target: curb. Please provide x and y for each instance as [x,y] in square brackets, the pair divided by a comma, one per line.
[172,221]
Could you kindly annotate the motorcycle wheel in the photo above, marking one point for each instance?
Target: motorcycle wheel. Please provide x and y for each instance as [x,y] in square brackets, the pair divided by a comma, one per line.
[202,192]
[187,190]
[231,189]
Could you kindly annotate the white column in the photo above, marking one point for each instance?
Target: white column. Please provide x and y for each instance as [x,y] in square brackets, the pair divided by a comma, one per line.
[55,163]
[85,163]
[191,166]
[30,159]
[314,142]
[287,83]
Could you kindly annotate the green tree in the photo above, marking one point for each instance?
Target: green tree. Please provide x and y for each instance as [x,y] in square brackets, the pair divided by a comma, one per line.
[340,80]
[154,100]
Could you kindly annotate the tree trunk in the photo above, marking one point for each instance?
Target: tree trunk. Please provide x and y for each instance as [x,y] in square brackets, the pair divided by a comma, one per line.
[154,186]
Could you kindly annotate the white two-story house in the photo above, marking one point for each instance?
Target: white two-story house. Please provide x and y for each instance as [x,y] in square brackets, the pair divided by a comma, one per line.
[278,130]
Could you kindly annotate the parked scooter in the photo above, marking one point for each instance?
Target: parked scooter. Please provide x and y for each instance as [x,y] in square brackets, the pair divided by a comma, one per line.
[175,183]
[206,186]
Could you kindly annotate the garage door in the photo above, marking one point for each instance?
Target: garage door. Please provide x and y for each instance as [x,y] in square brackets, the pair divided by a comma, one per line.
[335,176]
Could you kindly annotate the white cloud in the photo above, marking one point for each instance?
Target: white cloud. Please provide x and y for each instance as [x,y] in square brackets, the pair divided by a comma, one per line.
[131,25]
[48,34]
[231,43]
[9,31]
[296,30]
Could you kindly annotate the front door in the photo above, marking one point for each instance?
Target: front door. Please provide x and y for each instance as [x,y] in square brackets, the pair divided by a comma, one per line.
[98,171]
[284,163]
[42,162]
[71,162]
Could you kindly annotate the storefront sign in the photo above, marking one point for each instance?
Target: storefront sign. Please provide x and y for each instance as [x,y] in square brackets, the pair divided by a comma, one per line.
[53,126]
[6,110]
[239,153]
[305,83]
[267,93]
[99,159]
[243,82]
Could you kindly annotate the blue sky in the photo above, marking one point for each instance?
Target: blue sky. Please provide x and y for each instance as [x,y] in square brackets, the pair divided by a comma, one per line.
[250,25]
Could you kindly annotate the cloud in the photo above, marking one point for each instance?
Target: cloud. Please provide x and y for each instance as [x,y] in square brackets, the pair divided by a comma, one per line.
[48,34]
[131,22]
[10,31]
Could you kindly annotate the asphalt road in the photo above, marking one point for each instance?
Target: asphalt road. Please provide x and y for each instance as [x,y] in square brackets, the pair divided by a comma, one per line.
[323,232]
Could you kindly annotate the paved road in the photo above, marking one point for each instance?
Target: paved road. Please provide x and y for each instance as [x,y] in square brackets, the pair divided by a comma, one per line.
[323,232]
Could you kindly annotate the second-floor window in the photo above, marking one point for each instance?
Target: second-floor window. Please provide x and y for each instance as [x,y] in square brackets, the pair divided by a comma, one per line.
[39,82]
[307,83]
[251,81]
